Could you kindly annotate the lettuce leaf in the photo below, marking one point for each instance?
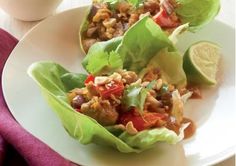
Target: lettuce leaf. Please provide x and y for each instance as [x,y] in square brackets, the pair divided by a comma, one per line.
[135,3]
[197,12]
[49,76]
[138,51]
[147,138]
[134,50]
[113,3]
[104,63]
[170,65]
[180,29]
[73,80]
[100,48]
[141,42]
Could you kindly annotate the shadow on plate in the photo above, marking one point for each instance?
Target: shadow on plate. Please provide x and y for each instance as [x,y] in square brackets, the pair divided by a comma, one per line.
[160,154]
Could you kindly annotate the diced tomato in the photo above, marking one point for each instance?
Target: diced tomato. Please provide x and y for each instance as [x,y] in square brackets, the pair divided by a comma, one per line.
[164,20]
[147,120]
[78,109]
[154,119]
[114,88]
[89,78]
[136,119]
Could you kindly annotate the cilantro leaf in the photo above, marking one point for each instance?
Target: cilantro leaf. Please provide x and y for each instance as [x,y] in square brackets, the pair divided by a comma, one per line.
[135,96]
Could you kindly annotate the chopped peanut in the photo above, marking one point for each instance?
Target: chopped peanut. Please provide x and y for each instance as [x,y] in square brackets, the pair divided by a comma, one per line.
[109,22]
[158,85]
[128,76]
[131,129]
[101,80]
[102,14]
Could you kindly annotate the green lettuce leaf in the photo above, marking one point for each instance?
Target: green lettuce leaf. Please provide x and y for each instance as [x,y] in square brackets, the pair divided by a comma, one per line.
[48,76]
[73,80]
[135,3]
[197,12]
[113,3]
[170,65]
[147,138]
[137,51]
[102,50]
[104,63]
[141,42]
[179,30]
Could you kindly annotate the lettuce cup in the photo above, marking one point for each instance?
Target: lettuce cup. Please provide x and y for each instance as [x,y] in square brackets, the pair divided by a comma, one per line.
[132,97]
[108,19]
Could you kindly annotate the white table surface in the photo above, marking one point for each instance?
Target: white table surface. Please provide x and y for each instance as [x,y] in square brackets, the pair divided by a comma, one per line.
[18,29]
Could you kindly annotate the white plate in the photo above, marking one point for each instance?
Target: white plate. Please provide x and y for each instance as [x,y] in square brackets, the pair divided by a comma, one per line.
[56,39]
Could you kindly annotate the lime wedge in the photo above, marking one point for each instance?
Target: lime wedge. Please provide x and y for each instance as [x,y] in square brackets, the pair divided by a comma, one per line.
[200,63]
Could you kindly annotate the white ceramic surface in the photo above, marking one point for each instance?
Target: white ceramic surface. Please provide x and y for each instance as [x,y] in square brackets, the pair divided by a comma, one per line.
[29,10]
[56,39]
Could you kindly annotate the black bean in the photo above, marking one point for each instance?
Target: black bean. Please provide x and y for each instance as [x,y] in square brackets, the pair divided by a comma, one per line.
[93,11]
[77,101]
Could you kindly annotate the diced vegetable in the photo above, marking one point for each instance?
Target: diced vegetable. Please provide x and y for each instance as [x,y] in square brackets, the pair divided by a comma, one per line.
[142,122]
[164,20]
[89,78]
[112,88]
[135,118]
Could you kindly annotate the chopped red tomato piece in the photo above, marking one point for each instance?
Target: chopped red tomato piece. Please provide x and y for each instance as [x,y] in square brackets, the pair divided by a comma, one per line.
[137,120]
[163,19]
[154,119]
[147,120]
[89,78]
[113,88]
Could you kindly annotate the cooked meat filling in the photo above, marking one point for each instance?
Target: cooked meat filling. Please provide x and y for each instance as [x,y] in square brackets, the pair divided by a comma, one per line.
[134,103]
[106,21]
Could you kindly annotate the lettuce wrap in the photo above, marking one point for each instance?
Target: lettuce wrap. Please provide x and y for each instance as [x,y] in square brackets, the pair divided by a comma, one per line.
[136,51]
[103,58]
[169,14]
[49,76]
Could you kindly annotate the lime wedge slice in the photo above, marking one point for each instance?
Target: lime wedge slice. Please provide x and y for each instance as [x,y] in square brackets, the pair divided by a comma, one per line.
[200,63]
